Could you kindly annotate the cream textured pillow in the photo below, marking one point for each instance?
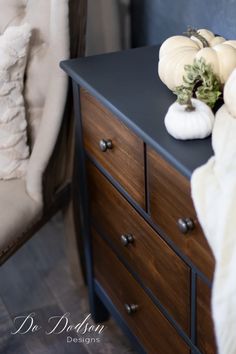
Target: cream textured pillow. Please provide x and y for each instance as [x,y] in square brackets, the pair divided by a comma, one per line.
[14,151]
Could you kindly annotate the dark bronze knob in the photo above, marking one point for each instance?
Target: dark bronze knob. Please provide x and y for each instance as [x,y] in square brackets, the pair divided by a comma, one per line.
[126,239]
[185,225]
[105,144]
[131,308]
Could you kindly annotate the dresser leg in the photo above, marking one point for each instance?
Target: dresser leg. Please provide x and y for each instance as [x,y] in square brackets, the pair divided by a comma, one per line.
[98,310]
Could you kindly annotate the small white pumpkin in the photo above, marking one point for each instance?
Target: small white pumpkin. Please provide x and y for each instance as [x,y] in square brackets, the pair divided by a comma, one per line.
[184,124]
[177,51]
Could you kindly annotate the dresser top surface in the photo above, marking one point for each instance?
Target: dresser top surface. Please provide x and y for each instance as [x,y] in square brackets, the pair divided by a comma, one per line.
[128,84]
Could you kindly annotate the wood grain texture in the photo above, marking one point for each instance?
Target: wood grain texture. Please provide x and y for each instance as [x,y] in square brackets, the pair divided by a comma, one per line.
[149,256]
[148,324]
[125,161]
[170,199]
[205,328]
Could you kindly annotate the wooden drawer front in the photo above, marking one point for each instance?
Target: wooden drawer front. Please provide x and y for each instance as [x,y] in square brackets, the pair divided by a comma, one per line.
[149,256]
[205,328]
[125,161]
[170,199]
[153,330]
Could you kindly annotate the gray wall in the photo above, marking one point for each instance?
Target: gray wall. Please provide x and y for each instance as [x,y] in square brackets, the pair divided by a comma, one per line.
[108,26]
[155,20]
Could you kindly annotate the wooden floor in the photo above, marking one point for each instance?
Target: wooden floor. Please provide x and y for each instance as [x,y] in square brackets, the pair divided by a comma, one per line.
[37,280]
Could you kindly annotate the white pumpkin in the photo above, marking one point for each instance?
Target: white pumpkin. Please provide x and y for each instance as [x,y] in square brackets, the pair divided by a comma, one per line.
[230,94]
[195,124]
[177,51]
[225,121]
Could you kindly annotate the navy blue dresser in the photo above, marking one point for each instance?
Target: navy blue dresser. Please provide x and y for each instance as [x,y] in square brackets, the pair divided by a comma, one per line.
[148,262]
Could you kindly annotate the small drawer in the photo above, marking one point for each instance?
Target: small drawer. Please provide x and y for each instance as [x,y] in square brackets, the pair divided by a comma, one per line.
[114,146]
[172,209]
[160,269]
[144,319]
[205,328]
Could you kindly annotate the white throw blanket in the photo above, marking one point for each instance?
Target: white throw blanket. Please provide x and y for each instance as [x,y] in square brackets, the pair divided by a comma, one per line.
[214,195]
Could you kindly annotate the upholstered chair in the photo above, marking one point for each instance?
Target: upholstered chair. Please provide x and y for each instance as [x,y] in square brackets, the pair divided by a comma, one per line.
[27,203]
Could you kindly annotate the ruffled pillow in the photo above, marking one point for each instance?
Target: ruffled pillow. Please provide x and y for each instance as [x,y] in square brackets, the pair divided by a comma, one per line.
[14,151]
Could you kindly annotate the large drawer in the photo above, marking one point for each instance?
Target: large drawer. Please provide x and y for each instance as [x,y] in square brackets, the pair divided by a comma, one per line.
[170,201]
[123,155]
[144,319]
[147,254]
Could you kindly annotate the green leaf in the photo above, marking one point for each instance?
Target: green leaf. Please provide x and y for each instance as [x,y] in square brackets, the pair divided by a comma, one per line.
[201,82]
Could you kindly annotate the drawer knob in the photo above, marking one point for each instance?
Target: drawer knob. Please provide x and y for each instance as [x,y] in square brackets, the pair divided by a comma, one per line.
[185,225]
[126,239]
[105,144]
[131,308]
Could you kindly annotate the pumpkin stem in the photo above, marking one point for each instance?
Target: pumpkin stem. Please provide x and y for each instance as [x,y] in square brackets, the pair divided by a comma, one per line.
[193,32]
[189,106]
